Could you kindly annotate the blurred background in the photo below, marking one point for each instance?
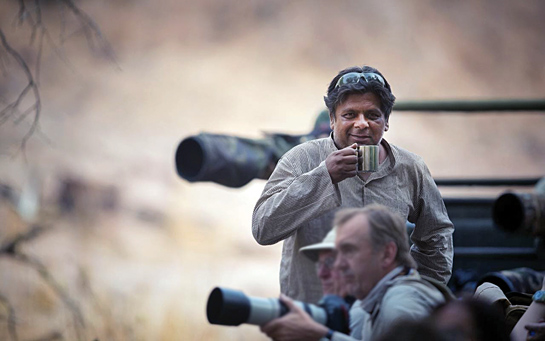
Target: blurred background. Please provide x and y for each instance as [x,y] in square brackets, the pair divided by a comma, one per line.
[109,243]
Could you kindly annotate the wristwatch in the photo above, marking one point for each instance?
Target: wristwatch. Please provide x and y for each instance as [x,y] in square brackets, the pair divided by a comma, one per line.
[539,296]
[329,334]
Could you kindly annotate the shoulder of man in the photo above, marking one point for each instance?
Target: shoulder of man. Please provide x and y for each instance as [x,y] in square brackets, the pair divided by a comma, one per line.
[418,288]
[308,147]
[407,299]
[405,156]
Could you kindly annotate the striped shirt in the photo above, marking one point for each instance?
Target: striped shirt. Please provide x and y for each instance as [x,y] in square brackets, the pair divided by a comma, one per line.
[299,202]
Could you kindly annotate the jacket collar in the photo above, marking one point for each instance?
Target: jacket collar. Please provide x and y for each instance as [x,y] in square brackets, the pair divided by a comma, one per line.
[374,297]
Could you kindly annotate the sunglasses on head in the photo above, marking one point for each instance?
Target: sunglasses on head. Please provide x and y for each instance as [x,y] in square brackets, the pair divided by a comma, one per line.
[354,77]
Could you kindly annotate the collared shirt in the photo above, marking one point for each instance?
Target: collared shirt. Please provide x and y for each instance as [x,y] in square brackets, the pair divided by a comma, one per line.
[397,296]
[299,202]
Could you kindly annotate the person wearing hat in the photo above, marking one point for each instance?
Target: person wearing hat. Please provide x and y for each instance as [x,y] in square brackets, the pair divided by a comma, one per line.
[323,254]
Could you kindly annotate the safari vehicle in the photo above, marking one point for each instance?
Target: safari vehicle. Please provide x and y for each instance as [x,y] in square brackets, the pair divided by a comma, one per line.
[497,239]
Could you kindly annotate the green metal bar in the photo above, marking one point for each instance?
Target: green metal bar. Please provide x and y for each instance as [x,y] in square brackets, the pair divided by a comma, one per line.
[523,182]
[473,105]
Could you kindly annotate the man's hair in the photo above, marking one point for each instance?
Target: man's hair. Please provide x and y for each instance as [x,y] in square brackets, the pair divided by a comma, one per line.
[337,95]
[385,226]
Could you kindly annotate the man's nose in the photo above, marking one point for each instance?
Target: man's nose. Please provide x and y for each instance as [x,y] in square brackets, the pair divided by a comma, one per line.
[339,262]
[324,272]
[361,122]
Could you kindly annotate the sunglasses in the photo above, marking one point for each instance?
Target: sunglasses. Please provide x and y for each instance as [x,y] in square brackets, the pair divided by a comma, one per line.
[354,77]
[328,263]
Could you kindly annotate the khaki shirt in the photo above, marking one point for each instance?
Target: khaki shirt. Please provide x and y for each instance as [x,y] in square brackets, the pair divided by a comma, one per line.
[299,202]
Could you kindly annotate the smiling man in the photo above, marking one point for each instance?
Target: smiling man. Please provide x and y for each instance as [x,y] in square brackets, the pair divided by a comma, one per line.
[315,179]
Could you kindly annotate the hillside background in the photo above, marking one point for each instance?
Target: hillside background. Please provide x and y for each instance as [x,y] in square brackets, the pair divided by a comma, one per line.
[138,250]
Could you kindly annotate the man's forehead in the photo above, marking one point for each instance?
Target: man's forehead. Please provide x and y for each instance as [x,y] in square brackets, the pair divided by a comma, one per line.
[355,227]
[361,96]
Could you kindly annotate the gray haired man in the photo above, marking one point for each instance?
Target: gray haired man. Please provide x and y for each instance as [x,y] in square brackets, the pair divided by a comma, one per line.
[372,256]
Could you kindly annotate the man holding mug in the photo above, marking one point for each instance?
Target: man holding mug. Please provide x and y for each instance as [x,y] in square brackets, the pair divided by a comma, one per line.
[315,179]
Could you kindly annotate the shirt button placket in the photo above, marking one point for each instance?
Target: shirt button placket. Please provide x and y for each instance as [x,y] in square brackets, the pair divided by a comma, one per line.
[363,194]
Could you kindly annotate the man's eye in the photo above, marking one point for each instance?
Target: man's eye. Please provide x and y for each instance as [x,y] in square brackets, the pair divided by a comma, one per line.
[348,115]
[374,116]
[348,251]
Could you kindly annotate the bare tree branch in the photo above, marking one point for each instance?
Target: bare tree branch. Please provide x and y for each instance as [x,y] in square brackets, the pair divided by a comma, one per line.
[13,107]
[11,320]
[79,321]
[27,103]
[91,29]
[32,15]
[9,247]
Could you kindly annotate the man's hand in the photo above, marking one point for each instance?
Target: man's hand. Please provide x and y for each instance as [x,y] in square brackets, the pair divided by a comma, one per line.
[342,164]
[536,331]
[295,325]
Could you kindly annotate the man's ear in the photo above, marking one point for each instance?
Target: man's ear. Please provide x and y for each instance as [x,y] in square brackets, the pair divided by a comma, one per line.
[389,255]
[386,126]
[331,120]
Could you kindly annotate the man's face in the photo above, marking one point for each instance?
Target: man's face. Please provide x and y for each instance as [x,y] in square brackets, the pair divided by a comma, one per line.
[359,265]
[324,268]
[360,120]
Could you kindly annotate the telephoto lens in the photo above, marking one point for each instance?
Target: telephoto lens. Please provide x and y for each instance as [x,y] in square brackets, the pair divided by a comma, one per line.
[229,307]
[521,213]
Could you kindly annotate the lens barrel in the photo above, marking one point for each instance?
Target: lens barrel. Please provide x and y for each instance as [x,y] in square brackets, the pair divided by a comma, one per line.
[520,212]
[229,307]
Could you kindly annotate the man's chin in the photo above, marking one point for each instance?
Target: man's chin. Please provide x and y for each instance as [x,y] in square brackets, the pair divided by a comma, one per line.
[328,289]
[350,288]
[351,292]
[361,141]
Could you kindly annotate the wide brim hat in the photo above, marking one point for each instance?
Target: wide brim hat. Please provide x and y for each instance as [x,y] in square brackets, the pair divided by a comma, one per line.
[327,244]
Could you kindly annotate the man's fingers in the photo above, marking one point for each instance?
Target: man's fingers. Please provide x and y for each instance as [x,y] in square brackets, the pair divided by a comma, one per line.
[289,303]
[342,164]
[350,159]
[536,331]
[535,326]
[270,328]
[350,150]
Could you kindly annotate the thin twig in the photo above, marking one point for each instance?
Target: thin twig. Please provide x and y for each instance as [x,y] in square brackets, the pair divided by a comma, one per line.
[91,29]
[24,114]
[10,246]
[11,320]
[79,322]
[22,11]
[30,86]
[13,106]
[39,56]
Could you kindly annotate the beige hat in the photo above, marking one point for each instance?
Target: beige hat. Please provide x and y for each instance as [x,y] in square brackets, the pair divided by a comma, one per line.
[328,244]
